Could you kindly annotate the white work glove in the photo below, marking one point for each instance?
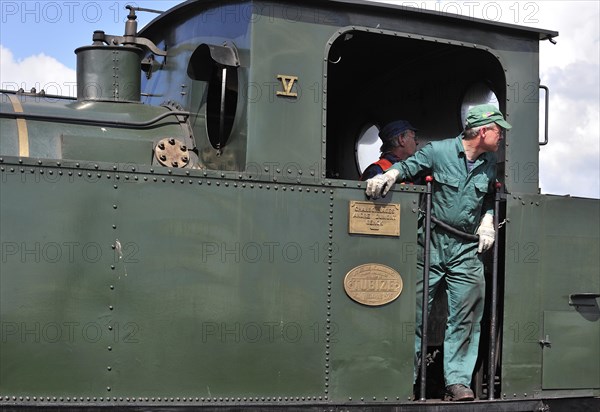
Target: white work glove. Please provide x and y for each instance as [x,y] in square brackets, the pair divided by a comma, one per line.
[379,185]
[486,233]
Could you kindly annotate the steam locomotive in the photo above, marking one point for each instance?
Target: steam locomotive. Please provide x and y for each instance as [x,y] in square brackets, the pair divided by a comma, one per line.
[190,230]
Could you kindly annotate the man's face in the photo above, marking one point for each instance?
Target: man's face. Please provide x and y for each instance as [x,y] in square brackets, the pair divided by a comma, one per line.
[492,136]
[410,142]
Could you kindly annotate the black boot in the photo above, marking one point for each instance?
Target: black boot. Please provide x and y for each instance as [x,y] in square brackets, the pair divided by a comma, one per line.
[458,392]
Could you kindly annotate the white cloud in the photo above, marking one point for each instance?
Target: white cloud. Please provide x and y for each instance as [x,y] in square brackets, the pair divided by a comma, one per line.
[39,71]
[570,163]
[578,37]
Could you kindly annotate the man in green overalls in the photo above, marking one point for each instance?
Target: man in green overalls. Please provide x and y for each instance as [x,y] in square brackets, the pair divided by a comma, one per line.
[464,173]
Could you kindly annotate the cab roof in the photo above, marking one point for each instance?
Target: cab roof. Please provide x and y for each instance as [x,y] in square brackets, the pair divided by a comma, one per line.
[343,5]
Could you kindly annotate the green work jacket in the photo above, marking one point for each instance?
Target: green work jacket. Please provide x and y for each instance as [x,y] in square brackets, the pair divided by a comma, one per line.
[460,198]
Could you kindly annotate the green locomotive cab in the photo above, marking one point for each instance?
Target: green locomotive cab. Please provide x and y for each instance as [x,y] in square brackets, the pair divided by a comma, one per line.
[191,231]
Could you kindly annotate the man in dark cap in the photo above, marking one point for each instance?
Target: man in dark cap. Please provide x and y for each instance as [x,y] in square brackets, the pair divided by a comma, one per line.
[464,172]
[399,142]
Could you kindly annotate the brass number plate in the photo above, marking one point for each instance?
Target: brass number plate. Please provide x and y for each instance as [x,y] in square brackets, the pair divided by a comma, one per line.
[373,284]
[370,218]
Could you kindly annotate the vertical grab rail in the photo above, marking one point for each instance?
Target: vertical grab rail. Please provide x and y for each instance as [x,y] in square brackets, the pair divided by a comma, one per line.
[546,110]
[494,303]
[425,302]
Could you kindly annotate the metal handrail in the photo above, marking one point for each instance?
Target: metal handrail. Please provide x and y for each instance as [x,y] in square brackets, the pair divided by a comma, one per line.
[546,103]
[425,302]
[494,303]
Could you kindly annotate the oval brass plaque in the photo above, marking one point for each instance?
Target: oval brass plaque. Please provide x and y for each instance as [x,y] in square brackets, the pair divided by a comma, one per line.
[373,284]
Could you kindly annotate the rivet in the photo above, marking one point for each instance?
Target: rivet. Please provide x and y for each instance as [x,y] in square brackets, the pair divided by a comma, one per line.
[110,307]
[110,347]
[110,328]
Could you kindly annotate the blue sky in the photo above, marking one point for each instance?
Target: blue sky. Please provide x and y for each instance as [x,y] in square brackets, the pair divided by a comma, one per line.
[37,40]
[57,28]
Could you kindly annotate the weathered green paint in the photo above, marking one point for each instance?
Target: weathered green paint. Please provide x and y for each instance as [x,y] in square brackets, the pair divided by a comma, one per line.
[109,73]
[549,254]
[222,288]
[372,350]
[53,292]
[571,361]
[59,140]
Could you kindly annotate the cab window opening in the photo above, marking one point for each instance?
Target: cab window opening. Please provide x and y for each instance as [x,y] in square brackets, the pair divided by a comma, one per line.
[424,82]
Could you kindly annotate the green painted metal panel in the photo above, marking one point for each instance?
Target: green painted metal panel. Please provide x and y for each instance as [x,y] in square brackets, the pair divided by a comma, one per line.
[551,251]
[213,288]
[281,48]
[54,293]
[9,143]
[225,288]
[572,359]
[372,349]
[105,150]
[156,286]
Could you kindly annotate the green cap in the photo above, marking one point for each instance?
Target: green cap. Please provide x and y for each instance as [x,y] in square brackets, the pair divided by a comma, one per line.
[485,114]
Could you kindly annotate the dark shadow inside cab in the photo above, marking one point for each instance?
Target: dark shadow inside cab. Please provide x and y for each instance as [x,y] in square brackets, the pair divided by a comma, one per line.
[375,78]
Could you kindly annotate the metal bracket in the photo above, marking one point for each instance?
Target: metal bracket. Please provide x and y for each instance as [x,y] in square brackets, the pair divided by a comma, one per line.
[583,299]
[545,343]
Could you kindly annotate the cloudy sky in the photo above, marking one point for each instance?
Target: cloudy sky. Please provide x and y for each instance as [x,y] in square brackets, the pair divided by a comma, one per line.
[37,39]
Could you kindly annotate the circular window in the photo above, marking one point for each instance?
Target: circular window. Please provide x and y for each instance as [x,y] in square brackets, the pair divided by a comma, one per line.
[367,147]
[478,93]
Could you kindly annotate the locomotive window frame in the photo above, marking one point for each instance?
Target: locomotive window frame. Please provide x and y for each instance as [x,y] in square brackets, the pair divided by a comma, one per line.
[424,81]
[218,66]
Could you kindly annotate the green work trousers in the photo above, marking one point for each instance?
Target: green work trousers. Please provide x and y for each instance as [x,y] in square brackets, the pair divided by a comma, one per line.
[458,262]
